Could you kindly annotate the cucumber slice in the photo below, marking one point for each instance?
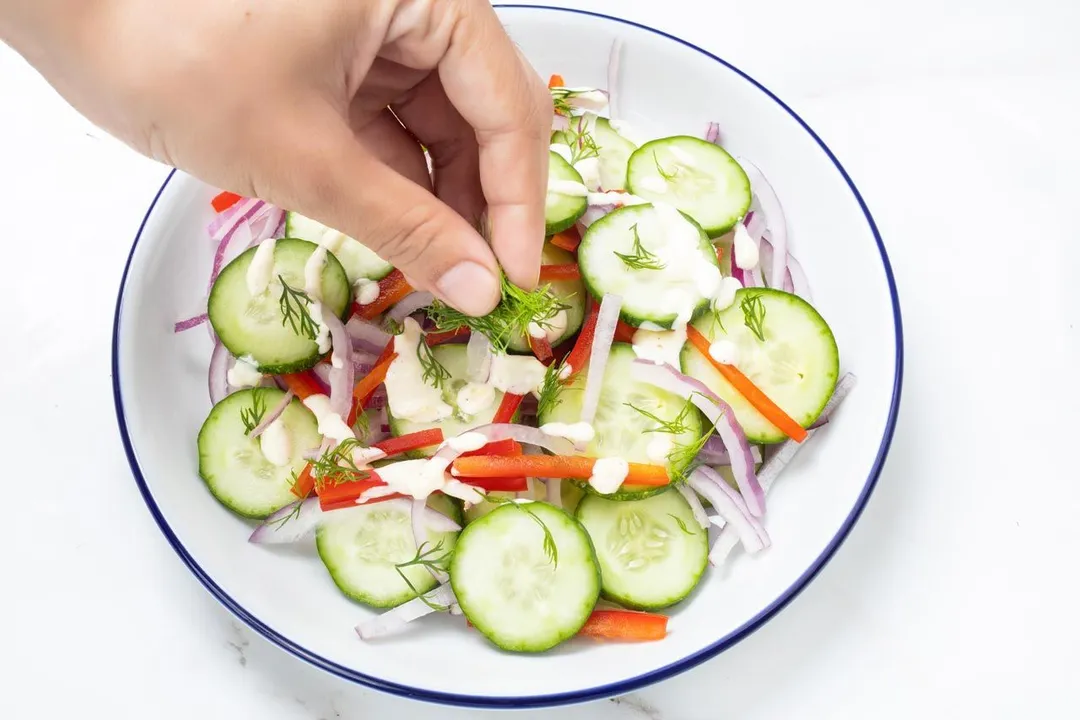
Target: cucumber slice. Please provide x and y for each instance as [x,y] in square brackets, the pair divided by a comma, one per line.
[509,587]
[569,292]
[361,546]
[537,491]
[358,260]
[696,176]
[796,366]
[652,552]
[254,326]
[668,271]
[622,431]
[233,465]
[561,210]
[614,153]
[453,358]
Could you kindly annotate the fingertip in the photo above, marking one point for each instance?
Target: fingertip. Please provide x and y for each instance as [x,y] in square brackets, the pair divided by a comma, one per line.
[517,237]
[470,287]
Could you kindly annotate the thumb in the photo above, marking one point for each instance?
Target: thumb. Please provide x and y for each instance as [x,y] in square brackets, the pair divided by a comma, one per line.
[338,182]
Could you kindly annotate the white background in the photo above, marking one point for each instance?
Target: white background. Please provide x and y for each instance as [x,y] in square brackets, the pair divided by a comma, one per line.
[955,595]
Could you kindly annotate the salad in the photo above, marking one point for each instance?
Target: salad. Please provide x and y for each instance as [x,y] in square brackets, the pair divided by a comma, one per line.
[568,465]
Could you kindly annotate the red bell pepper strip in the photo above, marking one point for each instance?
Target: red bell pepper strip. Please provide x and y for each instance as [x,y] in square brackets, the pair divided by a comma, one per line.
[499,447]
[624,333]
[303,384]
[514,484]
[305,483]
[392,289]
[342,495]
[554,273]
[552,466]
[541,348]
[579,356]
[567,240]
[624,625]
[224,201]
[507,408]
[410,442]
[369,383]
[437,338]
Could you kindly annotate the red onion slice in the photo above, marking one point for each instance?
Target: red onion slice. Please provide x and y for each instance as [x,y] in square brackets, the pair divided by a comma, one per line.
[731,507]
[606,321]
[595,212]
[773,211]
[230,229]
[799,282]
[342,371]
[478,358]
[613,68]
[720,415]
[273,415]
[559,123]
[714,452]
[394,620]
[218,375]
[554,491]
[695,505]
[712,133]
[420,536]
[196,321]
[409,304]
[292,523]
[265,223]
[366,336]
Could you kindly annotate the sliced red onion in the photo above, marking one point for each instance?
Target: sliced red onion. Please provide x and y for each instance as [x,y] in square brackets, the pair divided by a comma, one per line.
[342,371]
[800,283]
[394,620]
[366,336]
[554,491]
[322,371]
[559,123]
[712,133]
[696,507]
[409,304]
[230,230]
[595,212]
[728,538]
[218,375]
[420,536]
[190,323]
[714,452]
[292,523]
[774,216]
[614,65]
[227,220]
[731,507]
[606,321]
[265,223]
[508,431]
[720,415]
[478,358]
[767,252]
[273,415]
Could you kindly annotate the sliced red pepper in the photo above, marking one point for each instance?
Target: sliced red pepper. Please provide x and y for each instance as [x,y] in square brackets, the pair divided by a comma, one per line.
[410,442]
[345,494]
[514,484]
[437,338]
[305,483]
[625,625]
[392,289]
[624,333]
[507,408]
[303,384]
[579,356]
[541,348]
[567,240]
[225,200]
[499,447]
[554,273]
[369,383]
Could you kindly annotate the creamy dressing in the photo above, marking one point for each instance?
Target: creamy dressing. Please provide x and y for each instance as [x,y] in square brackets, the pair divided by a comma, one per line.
[466,493]
[517,374]
[725,295]
[536,330]
[659,448]
[467,442]
[589,169]
[261,269]
[364,456]
[244,373]
[660,346]
[313,272]
[276,444]
[652,183]
[746,248]
[474,398]
[725,352]
[330,423]
[367,291]
[408,395]
[579,432]
[551,329]
[614,197]
[418,478]
[322,330]
[567,187]
[566,371]
[608,474]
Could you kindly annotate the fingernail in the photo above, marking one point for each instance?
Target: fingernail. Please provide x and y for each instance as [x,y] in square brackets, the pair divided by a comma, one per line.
[470,287]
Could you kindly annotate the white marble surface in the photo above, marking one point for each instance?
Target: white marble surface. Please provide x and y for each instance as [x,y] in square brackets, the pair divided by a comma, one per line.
[955,596]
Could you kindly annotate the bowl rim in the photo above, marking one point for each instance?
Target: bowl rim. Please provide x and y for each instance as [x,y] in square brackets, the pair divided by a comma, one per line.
[576,696]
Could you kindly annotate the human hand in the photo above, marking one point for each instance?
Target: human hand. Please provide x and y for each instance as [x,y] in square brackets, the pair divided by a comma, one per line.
[291,102]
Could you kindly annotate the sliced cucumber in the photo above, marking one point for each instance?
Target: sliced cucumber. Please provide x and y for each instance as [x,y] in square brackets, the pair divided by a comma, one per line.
[233,465]
[362,546]
[696,176]
[453,358]
[358,260]
[622,431]
[569,292]
[796,366]
[526,576]
[562,210]
[665,270]
[255,326]
[652,552]
[537,491]
[614,152]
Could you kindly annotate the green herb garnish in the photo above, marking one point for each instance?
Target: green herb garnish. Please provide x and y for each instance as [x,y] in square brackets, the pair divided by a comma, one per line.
[435,373]
[754,315]
[550,549]
[433,561]
[640,259]
[668,176]
[682,525]
[294,311]
[677,426]
[581,142]
[294,513]
[682,456]
[336,466]
[253,415]
[549,392]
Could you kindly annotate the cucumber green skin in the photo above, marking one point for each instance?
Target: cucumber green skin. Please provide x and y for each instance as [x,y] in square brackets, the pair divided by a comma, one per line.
[356,267]
[569,209]
[617,382]
[451,507]
[615,152]
[642,164]
[569,292]
[485,532]
[342,575]
[223,432]
[225,314]
[804,327]
[658,511]
[453,358]
[589,252]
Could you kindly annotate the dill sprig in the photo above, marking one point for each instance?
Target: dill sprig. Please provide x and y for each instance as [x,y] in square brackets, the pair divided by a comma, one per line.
[435,373]
[640,259]
[336,465]
[432,560]
[681,524]
[509,319]
[754,315]
[560,99]
[681,458]
[581,142]
[668,176]
[392,326]
[551,550]
[294,311]
[293,514]
[362,426]
[253,415]
[676,426]
[549,392]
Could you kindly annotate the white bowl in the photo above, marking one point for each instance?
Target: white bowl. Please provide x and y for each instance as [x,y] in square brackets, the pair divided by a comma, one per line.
[668,87]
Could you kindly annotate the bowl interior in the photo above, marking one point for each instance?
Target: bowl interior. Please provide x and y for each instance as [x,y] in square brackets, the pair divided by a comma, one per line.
[666,88]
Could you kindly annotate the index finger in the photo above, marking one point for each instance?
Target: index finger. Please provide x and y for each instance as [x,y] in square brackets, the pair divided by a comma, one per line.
[509,107]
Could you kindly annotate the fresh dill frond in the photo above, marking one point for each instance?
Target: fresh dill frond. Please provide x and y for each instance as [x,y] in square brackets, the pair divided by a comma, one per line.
[680,523]
[509,319]
[551,550]
[640,258]
[293,514]
[435,373]
[294,311]
[336,465]
[676,426]
[754,315]
[581,142]
[681,458]
[716,317]
[432,560]
[362,426]
[667,175]
[392,326]
[549,392]
[253,415]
